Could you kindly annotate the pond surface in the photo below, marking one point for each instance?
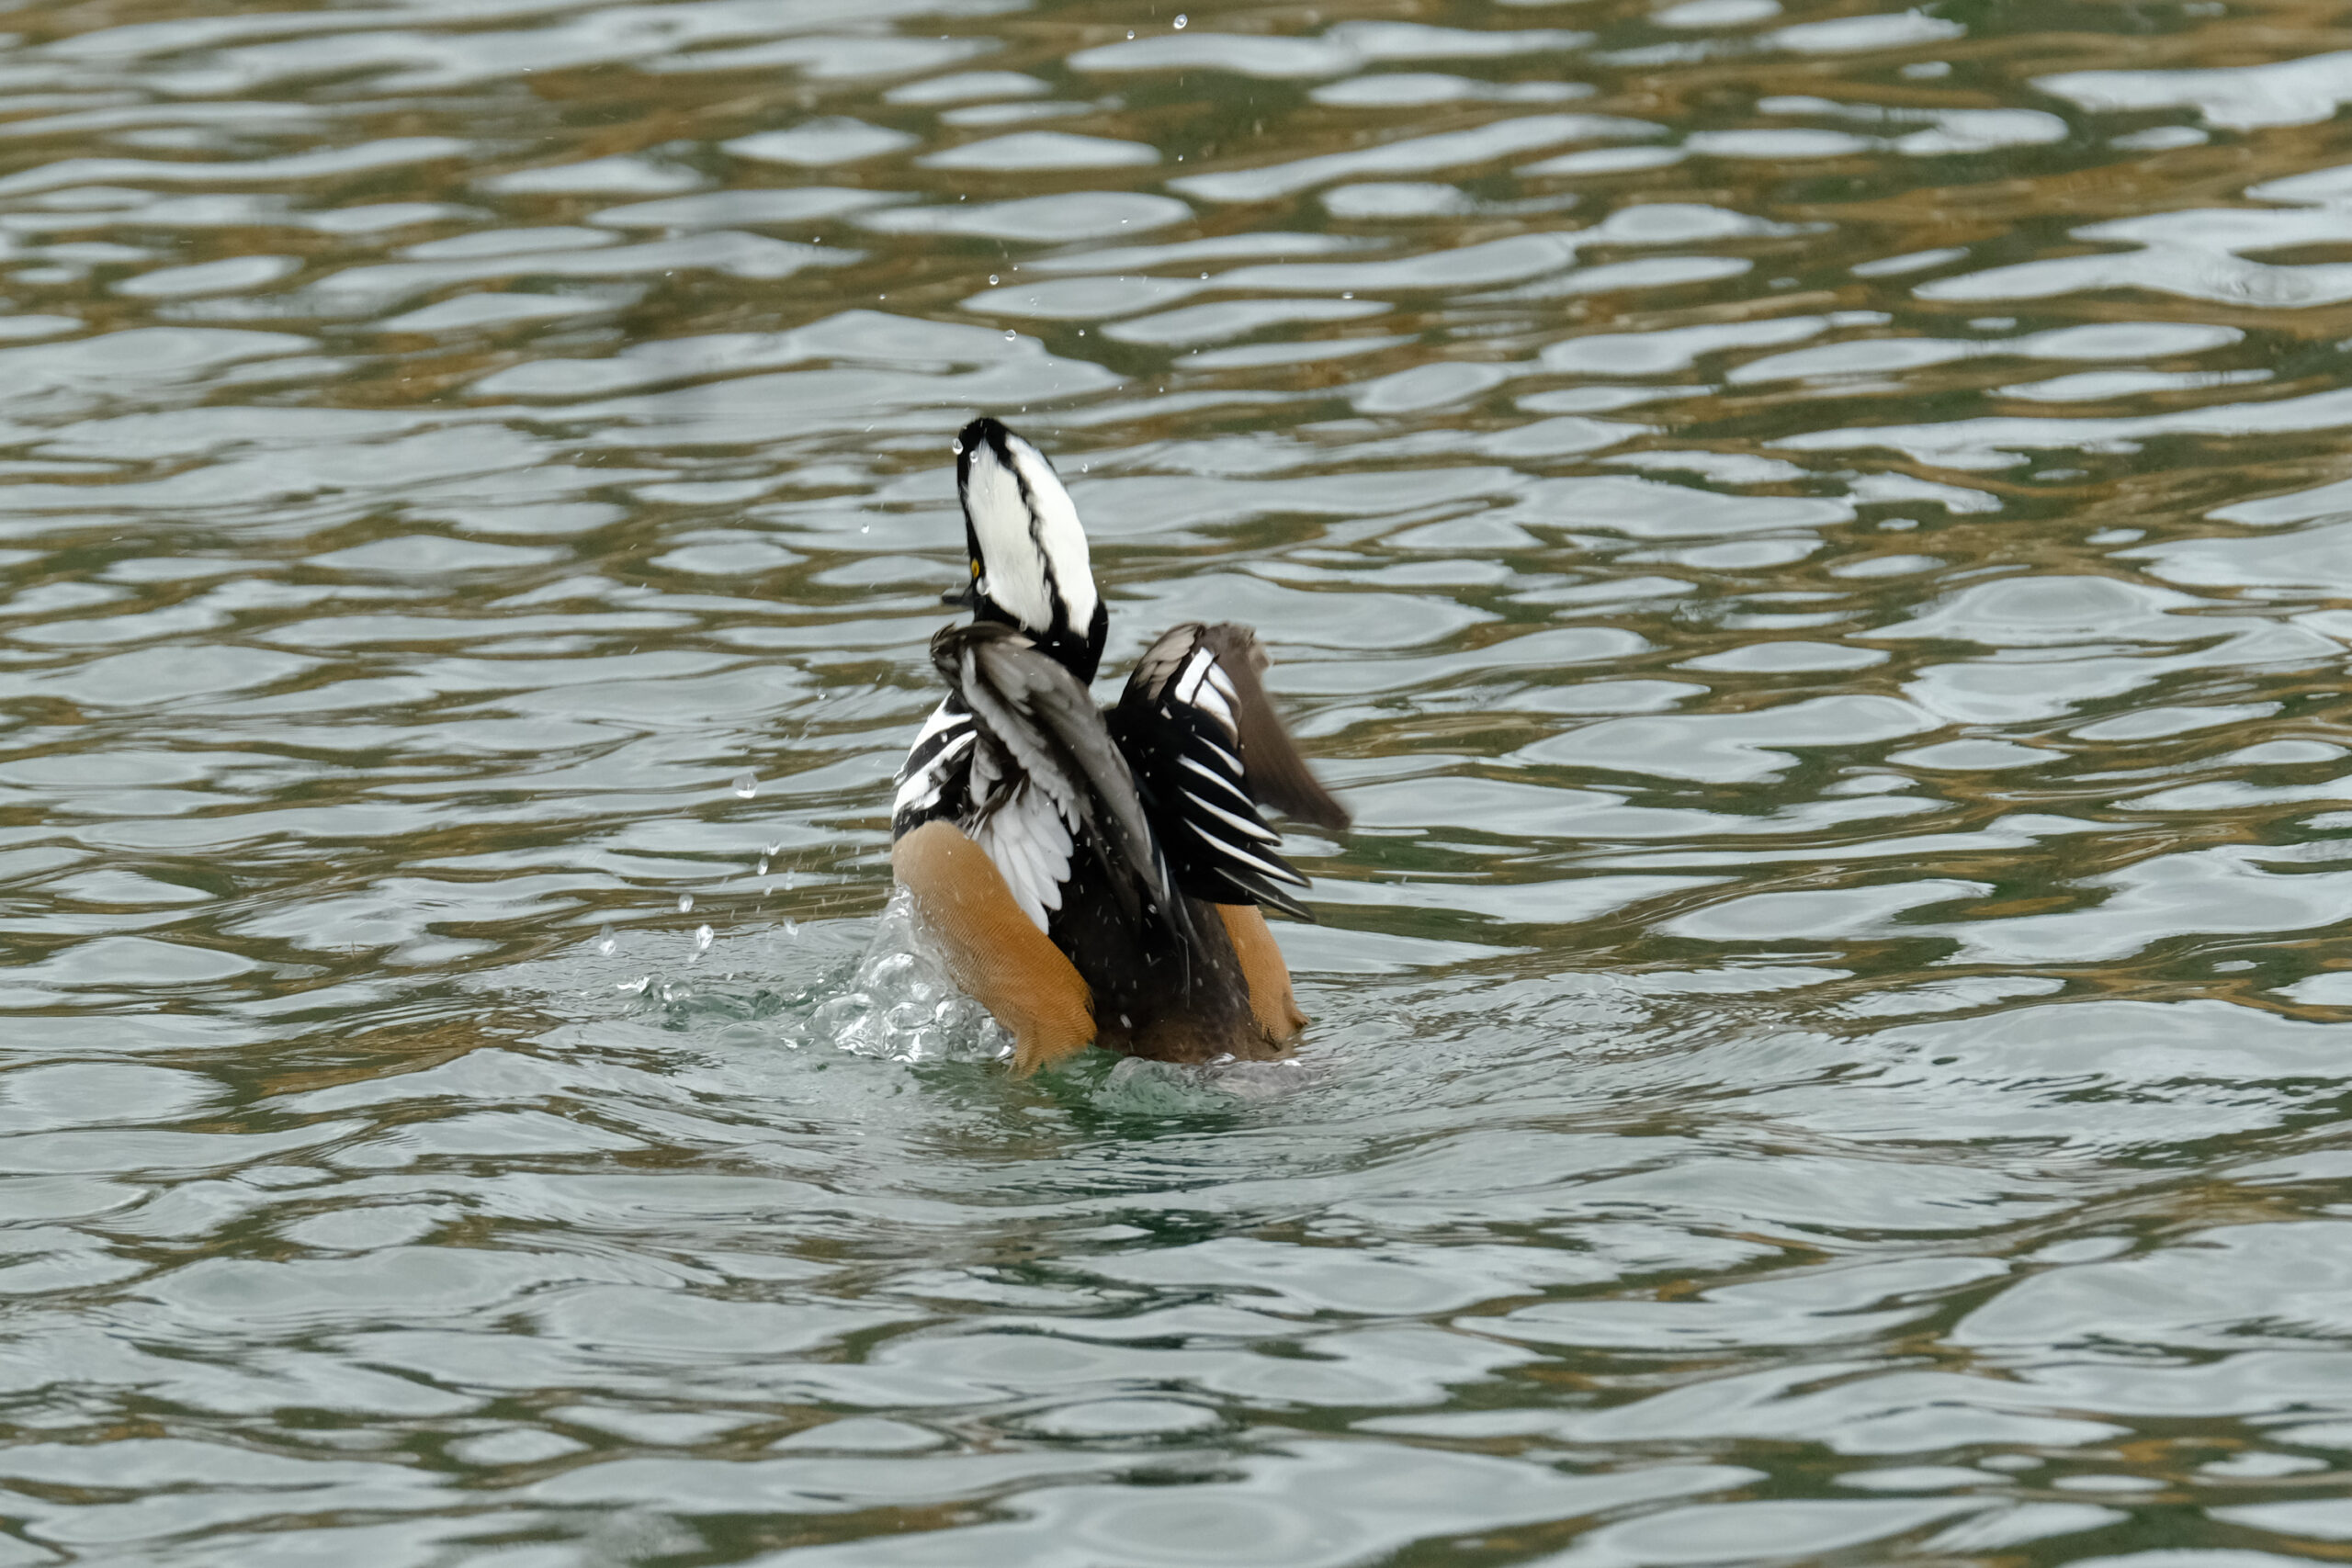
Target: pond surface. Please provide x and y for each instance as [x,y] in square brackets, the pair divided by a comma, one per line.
[1816,541]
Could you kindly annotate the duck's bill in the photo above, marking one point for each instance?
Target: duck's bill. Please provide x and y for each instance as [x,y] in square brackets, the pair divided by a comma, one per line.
[962,598]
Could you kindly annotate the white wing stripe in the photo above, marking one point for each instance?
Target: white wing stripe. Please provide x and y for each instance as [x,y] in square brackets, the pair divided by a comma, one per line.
[922,786]
[1222,780]
[1248,828]
[1188,686]
[955,748]
[1281,873]
[942,717]
[1232,762]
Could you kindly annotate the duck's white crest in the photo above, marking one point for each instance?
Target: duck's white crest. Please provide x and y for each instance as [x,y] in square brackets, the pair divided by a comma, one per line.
[1031,544]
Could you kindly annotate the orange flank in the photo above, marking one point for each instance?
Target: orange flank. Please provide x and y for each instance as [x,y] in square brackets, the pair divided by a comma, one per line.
[993,951]
[1270,1001]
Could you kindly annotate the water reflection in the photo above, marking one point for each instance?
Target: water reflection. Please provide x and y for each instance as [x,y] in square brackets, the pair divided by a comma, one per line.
[1811,538]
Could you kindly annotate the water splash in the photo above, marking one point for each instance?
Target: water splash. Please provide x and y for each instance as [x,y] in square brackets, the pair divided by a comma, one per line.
[900,1006]
[1139,1088]
[747,785]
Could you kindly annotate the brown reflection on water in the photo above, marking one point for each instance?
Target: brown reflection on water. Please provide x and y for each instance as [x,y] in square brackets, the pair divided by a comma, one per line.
[1811,558]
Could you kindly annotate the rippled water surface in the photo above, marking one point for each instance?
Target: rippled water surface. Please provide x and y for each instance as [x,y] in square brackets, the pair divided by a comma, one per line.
[1816,540]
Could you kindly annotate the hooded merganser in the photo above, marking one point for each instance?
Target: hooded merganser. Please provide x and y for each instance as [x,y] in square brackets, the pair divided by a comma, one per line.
[1094,876]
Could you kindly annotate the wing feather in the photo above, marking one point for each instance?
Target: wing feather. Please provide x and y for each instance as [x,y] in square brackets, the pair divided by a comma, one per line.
[1278,776]
[1077,785]
[935,776]
[1030,845]
[1265,865]
[1218,779]
[1248,827]
[1208,753]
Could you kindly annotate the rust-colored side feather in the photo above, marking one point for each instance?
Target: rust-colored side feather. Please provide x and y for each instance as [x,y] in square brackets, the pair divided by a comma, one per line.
[1270,1001]
[992,950]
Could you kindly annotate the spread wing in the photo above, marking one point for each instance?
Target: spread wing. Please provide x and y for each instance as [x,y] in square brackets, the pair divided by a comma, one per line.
[1045,782]
[1207,752]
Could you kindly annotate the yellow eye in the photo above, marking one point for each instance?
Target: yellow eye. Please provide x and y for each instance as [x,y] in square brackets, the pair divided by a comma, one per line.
[976,568]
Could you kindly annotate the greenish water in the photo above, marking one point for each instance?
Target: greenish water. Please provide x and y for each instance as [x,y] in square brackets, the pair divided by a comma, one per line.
[1816,541]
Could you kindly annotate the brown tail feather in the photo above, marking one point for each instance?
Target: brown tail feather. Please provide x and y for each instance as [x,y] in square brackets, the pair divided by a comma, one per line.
[1278,776]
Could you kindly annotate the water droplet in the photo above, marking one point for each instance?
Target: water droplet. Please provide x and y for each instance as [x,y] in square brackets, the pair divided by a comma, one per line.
[1131,32]
[606,941]
[1204,277]
[791,926]
[1012,337]
[772,851]
[703,937]
[764,868]
[1349,294]
[747,785]
[992,277]
[956,447]
[685,903]
[1180,20]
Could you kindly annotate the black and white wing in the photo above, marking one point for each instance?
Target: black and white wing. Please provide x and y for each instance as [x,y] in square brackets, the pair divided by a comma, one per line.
[935,779]
[1208,752]
[955,773]
[1045,785]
